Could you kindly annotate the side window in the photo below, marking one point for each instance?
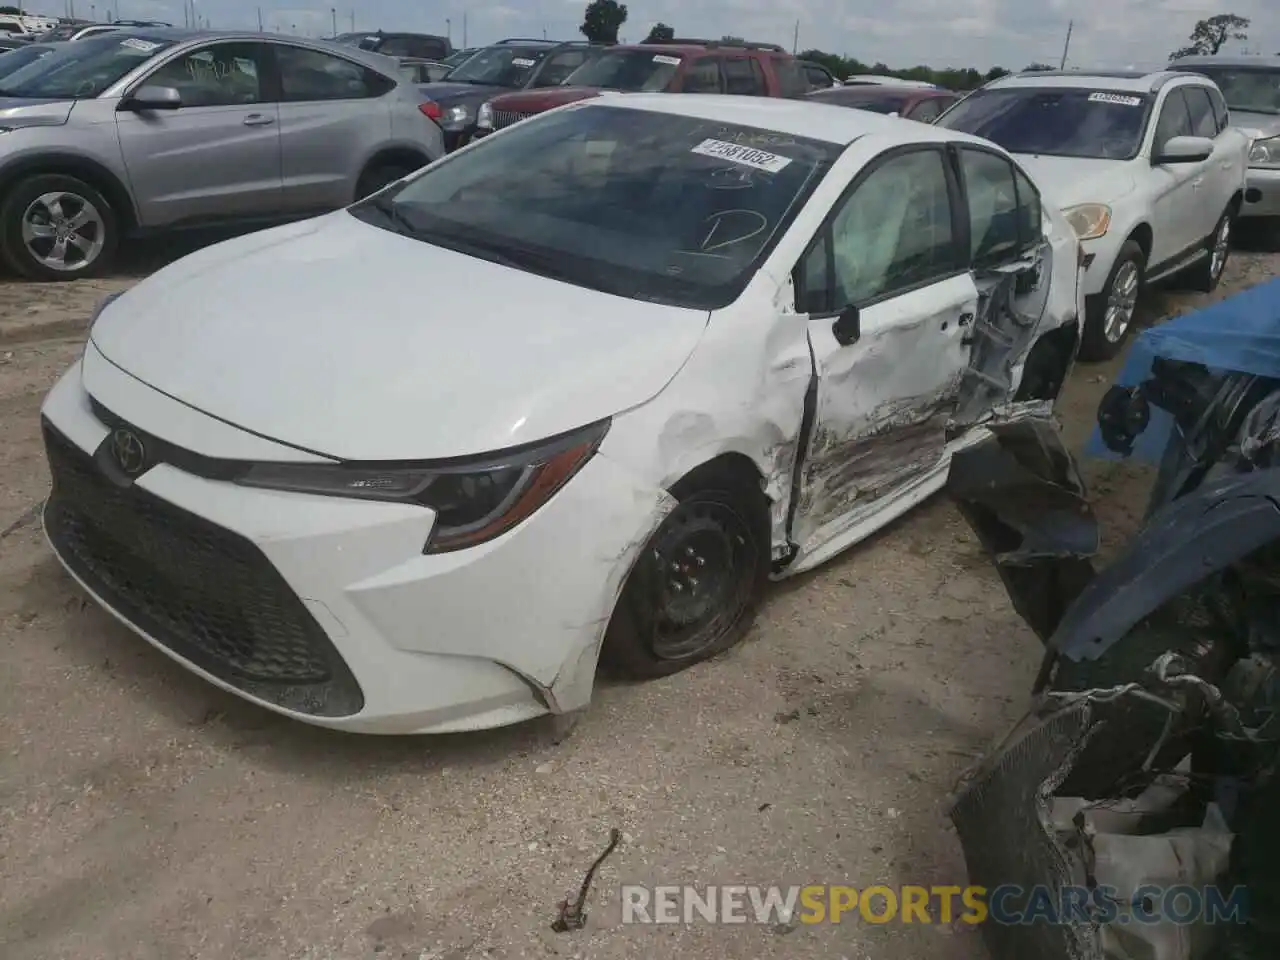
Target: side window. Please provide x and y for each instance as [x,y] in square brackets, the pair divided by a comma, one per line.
[1220,113]
[427,49]
[397,47]
[219,75]
[743,76]
[1175,120]
[1030,213]
[926,111]
[993,207]
[792,80]
[1203,122]
[558,66]
[311,75]
[702,76]
[894,231]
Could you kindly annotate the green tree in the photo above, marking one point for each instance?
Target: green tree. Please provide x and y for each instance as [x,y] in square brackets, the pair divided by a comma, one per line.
[15,11]
[1211,34]
[995,73]
[602,20]
[661,33]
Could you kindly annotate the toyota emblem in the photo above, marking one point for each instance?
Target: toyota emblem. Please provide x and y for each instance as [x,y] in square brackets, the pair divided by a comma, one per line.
[129,453]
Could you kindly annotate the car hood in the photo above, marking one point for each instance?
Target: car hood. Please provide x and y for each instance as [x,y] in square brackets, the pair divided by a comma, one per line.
[451,94]
[1068,181]
[548,98]
[22,112]
[361,344]
[1256,124]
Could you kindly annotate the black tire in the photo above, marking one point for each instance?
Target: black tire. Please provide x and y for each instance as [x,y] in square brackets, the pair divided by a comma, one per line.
[23,203]
[1205,275]
[671,613]
[377,177]
[1095,344]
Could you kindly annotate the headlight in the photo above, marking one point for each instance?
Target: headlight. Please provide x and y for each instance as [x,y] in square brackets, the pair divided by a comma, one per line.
[474,501]
[484,117]
[457,115]
[1265,152]
[1089,220]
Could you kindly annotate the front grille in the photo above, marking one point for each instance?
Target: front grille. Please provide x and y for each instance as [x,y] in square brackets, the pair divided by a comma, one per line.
[204,592]
[505,118]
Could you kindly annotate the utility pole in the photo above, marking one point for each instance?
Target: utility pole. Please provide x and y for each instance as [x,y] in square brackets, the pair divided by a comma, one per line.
[260,30]
[1066,46]
[795,39]
[353,21]
[448,29]
[464,29]
[333,12]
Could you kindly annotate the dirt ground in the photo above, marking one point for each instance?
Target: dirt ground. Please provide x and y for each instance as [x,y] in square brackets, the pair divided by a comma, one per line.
[145,814]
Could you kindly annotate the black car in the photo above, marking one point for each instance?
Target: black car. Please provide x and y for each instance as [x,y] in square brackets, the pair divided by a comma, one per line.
[500,68]
[424,46]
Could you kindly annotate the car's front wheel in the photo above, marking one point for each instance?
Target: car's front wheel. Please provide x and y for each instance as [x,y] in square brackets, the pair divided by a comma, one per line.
[57,227]
[694,589]
[1109,314]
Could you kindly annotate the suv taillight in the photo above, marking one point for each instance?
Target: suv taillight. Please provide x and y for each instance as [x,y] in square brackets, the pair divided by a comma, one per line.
[431,110]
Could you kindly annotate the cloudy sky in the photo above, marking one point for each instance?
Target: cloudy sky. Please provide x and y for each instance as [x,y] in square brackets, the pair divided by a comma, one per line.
[980,33]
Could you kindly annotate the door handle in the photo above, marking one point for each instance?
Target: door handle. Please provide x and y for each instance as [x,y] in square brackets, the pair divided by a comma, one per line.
[258,120]
[1196,182]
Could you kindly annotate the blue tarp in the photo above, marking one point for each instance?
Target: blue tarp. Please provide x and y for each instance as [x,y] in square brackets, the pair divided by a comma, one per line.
[1241,333]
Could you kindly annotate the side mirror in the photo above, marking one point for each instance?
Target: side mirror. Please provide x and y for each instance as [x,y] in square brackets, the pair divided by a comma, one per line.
[153,98]
[847,327]
[1183,150]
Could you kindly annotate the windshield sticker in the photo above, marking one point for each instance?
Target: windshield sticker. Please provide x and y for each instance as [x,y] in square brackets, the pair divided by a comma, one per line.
[1115,98]
[747,156]
[663,58]
[143,46]
[521,62]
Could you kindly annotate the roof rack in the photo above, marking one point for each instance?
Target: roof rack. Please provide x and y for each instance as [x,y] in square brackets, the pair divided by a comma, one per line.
[525,40]
[737,44]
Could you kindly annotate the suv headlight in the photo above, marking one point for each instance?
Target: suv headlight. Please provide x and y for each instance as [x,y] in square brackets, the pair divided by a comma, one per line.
[1089,220]
[1265,152]
[484,117]
[475,500]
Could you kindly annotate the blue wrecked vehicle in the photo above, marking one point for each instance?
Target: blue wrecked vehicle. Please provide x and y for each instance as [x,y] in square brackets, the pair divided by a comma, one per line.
[1145,766]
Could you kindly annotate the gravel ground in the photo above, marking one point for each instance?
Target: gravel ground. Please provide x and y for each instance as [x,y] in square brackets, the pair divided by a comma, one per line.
[145,814]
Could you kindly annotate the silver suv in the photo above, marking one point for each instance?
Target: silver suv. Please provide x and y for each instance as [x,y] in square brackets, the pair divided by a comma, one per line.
[144,130]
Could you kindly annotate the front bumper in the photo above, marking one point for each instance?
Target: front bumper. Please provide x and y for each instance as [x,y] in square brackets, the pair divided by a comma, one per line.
[1262,194]
[326,610]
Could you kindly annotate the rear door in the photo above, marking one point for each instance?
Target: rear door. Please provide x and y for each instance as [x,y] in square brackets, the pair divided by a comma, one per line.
[330,122]
[218,155]
[744,77]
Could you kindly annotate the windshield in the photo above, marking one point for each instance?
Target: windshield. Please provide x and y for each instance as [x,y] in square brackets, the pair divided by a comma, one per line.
[651,206]
[14,59]
[1055,122]
[503,66]
[630,70]
[83,69]
[1247,89]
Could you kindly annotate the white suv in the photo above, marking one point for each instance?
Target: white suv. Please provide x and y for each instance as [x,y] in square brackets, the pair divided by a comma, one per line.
[1145,166]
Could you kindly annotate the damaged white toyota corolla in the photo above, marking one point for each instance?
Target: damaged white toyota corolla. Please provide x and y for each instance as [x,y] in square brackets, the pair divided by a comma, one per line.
[572,393]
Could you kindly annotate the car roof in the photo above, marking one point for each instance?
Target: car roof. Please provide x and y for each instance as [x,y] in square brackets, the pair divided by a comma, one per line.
[179,35]
[1128,81]
[798,117]
[1225,60]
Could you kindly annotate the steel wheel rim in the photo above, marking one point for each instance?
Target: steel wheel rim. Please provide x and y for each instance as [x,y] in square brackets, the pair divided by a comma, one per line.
[63,231]
[1221,247]
[702,579]
[1121,301]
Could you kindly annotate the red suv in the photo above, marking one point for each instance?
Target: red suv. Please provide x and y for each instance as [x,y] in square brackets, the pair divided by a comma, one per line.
[680,66]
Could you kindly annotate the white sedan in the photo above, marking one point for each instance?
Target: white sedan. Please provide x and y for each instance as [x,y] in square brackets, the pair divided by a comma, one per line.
[574,392]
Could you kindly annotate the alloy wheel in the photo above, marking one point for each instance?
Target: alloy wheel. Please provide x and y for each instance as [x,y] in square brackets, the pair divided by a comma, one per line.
[1121,301]
[63,231]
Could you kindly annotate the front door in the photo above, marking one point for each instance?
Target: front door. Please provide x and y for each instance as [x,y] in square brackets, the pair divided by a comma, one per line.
[218,155]
[890,301]
[1177,209]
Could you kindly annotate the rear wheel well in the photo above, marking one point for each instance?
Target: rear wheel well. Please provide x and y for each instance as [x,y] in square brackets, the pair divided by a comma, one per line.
[94,174]
[396,157]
